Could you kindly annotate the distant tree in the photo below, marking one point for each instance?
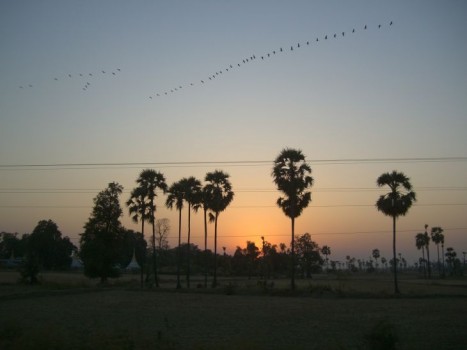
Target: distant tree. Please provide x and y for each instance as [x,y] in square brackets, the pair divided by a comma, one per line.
[139,210]
[427,248]
[384,261]
[219,190]
[437,237]
[420,242]
[292,177]
[11,246]
[395,203]
[176,195]
[151,181]
[251,253]
[307,252]
[162,233]
[375,254]
[326,251]
[452,261]
[52,250]
[206,203]
[101,240]
[269,258]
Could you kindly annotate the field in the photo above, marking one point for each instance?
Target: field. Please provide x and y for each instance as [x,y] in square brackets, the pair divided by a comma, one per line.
[68,311]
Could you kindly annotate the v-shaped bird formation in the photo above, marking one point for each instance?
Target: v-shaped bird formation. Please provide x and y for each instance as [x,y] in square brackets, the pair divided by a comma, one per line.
[83,79]
[86,80]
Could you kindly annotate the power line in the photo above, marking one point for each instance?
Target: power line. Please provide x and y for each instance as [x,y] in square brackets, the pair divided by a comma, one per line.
[25,190]
[333,161]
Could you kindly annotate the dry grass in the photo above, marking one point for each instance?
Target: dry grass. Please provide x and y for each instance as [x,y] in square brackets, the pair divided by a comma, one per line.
[327,313]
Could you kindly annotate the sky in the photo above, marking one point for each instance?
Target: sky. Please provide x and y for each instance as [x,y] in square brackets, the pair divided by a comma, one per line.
[86,99]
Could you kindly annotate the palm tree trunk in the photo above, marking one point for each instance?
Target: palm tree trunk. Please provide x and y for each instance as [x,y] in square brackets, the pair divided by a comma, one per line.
[428,258]
[205,249]
[292,281]
[424,263]
[188,249]
[179,257]
[442,252]
[214,281]
[396,286]
[142,259]
[439,264]
[154,256]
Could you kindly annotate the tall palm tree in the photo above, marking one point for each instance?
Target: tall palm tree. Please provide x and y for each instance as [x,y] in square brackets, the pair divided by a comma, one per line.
[219,190]
[437,237]
[395,203]
[206,203]
[427,248]
[150,181]
[291,175]
[138,210]
[176,195]
[420,244]
[326,250]
[375,254]
[193,198]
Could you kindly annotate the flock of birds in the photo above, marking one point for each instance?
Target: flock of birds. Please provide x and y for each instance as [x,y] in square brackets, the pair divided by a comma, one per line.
[85,78]
[252,58]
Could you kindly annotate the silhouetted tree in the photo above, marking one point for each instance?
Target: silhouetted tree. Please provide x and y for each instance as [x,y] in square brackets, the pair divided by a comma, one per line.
[219,190]
[326,251]
[207,203]
[162,232]
[291,176]
[139,210]
[150,181]
[437,237]
[375,254]
[420,242]
[395,203]
[193,198]
[176,194]
[101,240]
[52,250]
[307,252]
[427,248]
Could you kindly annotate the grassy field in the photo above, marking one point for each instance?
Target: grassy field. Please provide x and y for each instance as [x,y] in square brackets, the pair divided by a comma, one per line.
[69,311]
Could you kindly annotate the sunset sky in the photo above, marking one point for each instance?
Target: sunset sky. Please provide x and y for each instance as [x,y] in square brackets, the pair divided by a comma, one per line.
[79,108]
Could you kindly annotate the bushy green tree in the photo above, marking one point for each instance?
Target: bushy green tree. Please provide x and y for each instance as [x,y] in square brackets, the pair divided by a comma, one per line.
[102,239]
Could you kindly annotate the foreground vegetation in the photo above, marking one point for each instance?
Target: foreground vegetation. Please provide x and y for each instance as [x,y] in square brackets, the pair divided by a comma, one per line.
[69,311]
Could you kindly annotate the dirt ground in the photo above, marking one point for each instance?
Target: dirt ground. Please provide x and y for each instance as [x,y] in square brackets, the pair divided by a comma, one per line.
[124,317]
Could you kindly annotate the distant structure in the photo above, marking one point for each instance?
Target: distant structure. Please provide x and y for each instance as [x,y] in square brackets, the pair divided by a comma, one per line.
[76,262]
[133,265]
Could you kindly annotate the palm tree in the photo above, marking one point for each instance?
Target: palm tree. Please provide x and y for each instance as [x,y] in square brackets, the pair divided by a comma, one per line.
[138,210]
[326,250]
[375,254]
[437,237]
[150,181]
[206,203]
[291,176]
[219,190]
[193,198]
[420,244]
[176,194]
[395,203]
[427,247]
